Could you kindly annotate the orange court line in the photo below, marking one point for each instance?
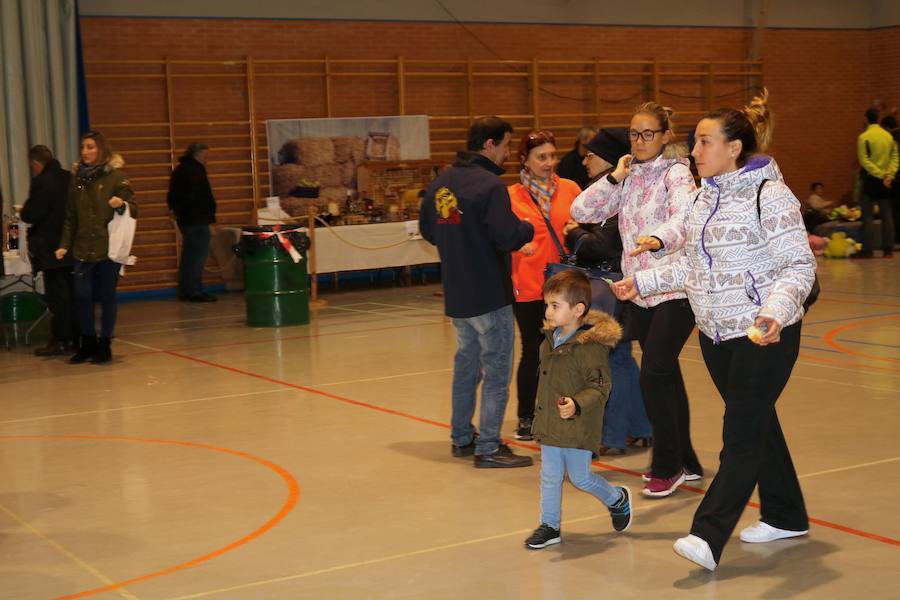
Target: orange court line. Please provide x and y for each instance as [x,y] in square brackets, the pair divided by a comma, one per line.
[836,526]
[287,507]
[829,338]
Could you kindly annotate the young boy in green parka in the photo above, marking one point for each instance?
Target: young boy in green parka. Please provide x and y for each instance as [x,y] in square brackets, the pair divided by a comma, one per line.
[572,392]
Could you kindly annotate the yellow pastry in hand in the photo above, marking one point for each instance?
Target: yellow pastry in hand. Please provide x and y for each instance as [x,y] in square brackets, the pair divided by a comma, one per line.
[755,334]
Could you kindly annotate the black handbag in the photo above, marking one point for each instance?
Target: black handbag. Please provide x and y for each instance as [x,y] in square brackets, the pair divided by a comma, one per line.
[602,296]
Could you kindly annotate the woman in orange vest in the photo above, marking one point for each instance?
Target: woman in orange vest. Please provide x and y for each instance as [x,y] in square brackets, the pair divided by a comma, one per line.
[541,196]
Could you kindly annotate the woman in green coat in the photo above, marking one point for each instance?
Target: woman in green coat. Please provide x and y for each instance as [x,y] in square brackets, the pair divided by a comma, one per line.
[99,188]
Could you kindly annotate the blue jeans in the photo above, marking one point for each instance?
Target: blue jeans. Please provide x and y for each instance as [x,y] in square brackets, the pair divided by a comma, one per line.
[555,463]
[96,282]
[194,250]
[484,351]
[625,413]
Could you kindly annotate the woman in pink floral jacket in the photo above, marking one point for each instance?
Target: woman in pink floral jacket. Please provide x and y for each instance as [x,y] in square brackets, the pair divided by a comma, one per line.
[652,190]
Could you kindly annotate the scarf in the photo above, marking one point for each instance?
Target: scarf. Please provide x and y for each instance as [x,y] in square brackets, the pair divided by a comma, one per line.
[89,171]
[542,190]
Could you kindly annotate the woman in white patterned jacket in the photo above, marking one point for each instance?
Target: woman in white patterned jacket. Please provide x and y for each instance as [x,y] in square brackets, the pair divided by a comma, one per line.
[747,269]
[651,190]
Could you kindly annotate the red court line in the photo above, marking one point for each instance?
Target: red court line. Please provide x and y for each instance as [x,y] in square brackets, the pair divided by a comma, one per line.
[390,411]
[829,338]
[287,507]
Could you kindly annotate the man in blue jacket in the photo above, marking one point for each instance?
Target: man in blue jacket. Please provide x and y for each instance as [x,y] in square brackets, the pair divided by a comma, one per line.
[466,213]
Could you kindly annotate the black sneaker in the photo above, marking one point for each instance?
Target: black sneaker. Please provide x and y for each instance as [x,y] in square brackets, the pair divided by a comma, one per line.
[503,458]
[523,431]
[620,512]
[464,451]
[542,537]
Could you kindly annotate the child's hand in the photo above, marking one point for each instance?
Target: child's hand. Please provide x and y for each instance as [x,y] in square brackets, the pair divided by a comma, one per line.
[625,289]
[566,407]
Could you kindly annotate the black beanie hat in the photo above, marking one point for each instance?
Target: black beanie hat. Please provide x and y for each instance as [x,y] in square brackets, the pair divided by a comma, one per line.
[610,144]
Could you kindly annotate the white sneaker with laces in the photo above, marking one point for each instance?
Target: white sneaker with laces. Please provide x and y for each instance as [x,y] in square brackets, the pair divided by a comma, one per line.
[763,532]
[695,550]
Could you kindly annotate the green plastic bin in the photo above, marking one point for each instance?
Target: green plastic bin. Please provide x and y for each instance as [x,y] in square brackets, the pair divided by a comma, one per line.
[276,288]
[21,309]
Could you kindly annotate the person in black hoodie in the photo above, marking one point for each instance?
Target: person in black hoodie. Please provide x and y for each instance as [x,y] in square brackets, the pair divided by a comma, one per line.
[466,213]
[572,166]
[45,211]
[599,245]
[191,200]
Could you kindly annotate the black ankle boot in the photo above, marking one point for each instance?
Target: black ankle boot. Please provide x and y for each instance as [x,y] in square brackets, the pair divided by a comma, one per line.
[104,352]
[86,351]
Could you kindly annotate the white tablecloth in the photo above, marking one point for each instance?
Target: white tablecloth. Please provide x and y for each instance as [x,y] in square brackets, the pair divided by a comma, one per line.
[334,254]
[14,264]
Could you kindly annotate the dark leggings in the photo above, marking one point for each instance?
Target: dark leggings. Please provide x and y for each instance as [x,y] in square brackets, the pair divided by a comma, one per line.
[662,332]
[530,319]
[96,282]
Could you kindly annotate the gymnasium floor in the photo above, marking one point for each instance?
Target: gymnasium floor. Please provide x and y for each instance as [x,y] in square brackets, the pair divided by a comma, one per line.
[216,461]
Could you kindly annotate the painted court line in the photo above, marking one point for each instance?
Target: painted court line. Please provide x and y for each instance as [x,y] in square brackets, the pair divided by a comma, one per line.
[851,467]
[386,377]
[375,561]
[293,497]
[412,417]
[67,553]
[139,406]
[275,340]
[389,315]
[815,379]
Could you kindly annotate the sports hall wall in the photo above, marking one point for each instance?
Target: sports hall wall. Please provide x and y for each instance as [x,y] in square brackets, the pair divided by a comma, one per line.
[823,66]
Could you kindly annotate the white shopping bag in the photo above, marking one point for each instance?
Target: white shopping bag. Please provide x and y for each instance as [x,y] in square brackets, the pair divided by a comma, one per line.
[121,237]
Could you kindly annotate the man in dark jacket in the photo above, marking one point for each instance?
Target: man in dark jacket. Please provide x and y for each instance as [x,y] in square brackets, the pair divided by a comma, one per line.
[191,200]
[45,211]
[466,213]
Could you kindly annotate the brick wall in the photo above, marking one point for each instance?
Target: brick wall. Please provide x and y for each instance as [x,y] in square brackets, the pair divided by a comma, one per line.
[885,65]
[820,80]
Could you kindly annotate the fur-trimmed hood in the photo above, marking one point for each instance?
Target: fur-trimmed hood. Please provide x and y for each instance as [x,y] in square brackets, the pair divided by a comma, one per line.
[598,328]
[115,162]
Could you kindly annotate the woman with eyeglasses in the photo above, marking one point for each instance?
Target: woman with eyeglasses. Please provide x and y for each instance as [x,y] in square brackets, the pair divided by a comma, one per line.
[651,190]
[599,245]
[544,199]
[747,268]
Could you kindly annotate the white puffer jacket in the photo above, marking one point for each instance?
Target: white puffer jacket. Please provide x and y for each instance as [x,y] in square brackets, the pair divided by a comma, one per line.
[739,263]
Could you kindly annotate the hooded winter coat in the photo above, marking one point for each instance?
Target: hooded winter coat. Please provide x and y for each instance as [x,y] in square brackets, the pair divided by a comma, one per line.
[88,212]
[579,369]
[740,263]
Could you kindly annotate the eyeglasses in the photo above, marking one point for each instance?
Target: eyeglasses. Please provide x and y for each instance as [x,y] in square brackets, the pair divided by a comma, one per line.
[647,135]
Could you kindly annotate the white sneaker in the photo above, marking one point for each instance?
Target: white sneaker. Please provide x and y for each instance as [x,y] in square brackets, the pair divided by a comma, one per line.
[688,476]
[763,532]
[695,550]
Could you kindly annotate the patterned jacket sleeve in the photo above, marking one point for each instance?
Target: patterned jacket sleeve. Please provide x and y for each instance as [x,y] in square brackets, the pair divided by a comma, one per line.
[660,280]
[598,202]
[679,198]
[782,227]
